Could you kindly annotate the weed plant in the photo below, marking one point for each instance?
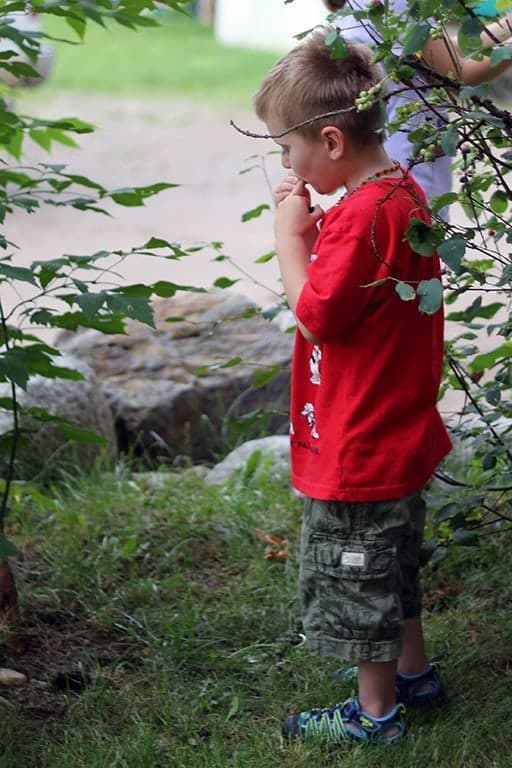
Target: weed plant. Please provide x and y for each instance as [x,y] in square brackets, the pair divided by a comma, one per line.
[175,572]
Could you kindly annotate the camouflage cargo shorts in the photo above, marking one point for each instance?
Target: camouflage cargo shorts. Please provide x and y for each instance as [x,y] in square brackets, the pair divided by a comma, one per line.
[359,576]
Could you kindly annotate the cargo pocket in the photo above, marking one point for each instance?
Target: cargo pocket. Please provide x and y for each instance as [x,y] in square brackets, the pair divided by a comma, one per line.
[358,587]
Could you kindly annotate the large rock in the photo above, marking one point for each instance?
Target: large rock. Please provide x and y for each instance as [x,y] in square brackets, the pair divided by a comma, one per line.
[273,456]
[167,386]
[82,402]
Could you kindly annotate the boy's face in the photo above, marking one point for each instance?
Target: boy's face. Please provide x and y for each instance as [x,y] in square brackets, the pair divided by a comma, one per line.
[310,159]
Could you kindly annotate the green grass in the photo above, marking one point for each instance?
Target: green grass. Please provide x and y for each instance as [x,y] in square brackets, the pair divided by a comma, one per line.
[180,58]
[177,578]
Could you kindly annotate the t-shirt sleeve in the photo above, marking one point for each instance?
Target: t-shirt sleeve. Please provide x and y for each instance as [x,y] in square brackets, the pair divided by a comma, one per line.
[338,288]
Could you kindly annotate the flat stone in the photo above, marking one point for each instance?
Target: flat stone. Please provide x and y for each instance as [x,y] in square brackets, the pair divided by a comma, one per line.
[9,677]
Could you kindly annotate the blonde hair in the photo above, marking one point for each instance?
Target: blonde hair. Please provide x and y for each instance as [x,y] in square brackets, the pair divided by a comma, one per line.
[307,82]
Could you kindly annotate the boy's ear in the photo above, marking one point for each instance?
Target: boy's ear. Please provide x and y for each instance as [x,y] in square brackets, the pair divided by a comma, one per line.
[334,141]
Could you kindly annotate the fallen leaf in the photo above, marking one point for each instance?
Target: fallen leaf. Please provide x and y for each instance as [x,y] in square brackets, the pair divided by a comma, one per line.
[276,554]
[268,539]
[276,549]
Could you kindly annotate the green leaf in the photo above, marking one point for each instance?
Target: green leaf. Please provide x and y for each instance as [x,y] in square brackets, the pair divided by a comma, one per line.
[501,53]
[157,242]
[422,237]
[224,282]
[493,395]
[468,35]
[42,138]
[416,38]
[338,48]
[262,376]
[83,181]
[331,37]
[23,274]
[446,512]
[476,310]
[480,91]
[499,201]
[430,293]
[14,144]
[449,141]
[427,550]
[265,257]
[135,196]
[77,25]
[465,538]
[452,251]
[489,461]
[234,708]
[130,547]
[135,289]
[234,361]
[127,197]
[63,138]
[439,554]
[59,372]
[73,124]
[252,464]
[405,291]
[489,359]
[136,307]
[255,212]
[90,303]
[7,548]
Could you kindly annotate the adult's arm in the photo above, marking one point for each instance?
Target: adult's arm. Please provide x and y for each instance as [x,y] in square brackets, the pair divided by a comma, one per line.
[444,55]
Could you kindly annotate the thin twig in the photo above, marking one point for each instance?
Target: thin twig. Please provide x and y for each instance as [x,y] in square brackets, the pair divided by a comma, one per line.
[14,442]
[295,127]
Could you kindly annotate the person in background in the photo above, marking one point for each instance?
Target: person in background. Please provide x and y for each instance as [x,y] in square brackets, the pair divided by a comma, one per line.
[440,54]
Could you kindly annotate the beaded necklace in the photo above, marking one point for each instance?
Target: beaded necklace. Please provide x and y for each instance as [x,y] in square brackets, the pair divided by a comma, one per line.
[373,177]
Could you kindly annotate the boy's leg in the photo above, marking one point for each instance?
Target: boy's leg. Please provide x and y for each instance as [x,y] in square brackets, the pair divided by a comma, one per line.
[350,588]
[377,694]
[413,659]
[417,681]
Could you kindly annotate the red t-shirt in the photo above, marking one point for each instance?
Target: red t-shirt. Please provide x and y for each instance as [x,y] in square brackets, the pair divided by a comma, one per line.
[363,420]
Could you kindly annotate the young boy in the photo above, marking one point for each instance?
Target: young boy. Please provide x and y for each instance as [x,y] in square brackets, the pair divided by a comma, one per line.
[365,431]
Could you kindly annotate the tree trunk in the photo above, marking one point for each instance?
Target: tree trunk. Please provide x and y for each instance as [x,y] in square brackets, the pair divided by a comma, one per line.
[9,604]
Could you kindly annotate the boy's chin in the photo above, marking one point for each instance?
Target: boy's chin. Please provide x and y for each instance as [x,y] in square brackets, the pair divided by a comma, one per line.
[326,190]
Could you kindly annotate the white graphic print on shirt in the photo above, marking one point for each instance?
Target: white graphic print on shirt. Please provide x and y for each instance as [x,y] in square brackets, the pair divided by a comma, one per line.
[314,364]
[309,412]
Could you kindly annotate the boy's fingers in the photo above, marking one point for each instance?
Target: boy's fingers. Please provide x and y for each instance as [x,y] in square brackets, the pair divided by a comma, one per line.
[316,212]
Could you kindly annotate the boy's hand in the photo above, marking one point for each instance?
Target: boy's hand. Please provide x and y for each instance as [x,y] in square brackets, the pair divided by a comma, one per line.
[294,215]
[286,187]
